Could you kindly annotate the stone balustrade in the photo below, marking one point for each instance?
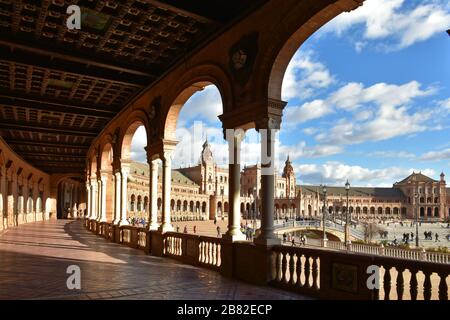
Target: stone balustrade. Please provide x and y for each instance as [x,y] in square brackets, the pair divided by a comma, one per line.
[329,274]
[320,273]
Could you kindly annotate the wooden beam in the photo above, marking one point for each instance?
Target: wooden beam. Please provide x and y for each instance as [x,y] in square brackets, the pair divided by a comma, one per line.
[46,144]
[76,59]
[184,12]
[31,154]
[28,127]
[93,111]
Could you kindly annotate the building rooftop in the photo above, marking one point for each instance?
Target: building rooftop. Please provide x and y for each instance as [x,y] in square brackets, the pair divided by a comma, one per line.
[416,177]
[355,191]
[143,170]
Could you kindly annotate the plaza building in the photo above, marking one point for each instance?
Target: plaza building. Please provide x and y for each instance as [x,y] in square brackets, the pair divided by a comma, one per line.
[416,194]
[201,192]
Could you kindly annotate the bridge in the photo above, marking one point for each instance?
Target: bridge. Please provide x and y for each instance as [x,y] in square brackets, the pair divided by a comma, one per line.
[316,225]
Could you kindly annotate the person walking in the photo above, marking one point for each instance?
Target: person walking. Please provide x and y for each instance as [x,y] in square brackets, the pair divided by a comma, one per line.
[195,229]
[218,231]
[185,229]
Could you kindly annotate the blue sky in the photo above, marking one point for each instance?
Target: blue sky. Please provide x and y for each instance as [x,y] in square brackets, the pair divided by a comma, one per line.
[368,100]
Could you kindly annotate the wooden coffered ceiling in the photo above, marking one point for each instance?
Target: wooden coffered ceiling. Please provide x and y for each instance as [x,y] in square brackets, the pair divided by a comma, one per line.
[60,87]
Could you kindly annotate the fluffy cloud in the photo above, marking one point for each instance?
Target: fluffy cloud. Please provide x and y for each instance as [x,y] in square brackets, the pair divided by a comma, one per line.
[378,112]
[336,173]
[304,76]
[204,105]
[436,155]
[395,21]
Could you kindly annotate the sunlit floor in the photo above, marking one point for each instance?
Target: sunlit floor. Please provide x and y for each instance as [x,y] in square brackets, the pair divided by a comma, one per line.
[34,259]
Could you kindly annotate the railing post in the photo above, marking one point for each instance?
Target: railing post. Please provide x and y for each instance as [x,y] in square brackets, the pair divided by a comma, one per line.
[423,254]
[381,250]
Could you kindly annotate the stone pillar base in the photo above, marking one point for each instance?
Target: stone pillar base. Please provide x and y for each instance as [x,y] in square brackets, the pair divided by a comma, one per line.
[324,243]
[233,237]
[153,227]
[166,227]
[267,241]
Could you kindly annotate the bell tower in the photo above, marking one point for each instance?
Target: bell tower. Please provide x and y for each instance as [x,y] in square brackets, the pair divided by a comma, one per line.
[289,176]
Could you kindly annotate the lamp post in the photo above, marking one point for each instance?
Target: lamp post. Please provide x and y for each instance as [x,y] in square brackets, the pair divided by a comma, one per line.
[255,212]
[416,196]
[324,190]
[347,215]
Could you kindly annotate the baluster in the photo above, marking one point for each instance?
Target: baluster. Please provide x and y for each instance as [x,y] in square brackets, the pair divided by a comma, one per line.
[284,267]
[400,284]
[278,264]
[200,252]
[219,255]
[292,264]
[307,272]
[413,285]
[208,253]
[298,271]
[427,286]
[387,282]
[315,273]
[443,293]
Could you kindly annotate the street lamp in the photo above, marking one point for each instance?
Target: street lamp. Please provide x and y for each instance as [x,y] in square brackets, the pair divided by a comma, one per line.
[347,230]
[416,196]
[324,190]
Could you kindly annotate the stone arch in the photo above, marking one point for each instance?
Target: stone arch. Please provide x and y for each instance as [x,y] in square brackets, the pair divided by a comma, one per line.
[135,120]
[284,41]
[194,80]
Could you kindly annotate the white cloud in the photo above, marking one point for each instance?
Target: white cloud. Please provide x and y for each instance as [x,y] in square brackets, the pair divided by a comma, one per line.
[304,76]
[436,155]
[394,21]
[308,111]
[392,154]
[336,173]
[138,143]
[204,105]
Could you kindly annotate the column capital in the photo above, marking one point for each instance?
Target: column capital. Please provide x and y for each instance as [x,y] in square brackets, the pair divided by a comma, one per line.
[158,148]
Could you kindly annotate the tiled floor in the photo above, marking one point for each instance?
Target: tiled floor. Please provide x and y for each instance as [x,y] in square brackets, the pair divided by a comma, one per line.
[34,260]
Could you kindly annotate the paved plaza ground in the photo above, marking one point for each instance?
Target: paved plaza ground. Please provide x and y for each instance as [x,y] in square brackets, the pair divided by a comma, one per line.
[34,259]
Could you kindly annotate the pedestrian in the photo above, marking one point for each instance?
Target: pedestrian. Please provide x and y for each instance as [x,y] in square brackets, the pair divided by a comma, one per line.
[195,228]
[284,237]
[178,229]
[437,238]
[218,231]
[293,241]
[185,229]
[215,220]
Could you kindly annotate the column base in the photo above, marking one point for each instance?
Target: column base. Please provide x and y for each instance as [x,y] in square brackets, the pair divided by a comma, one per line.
[166,227]
[267,241]
[233,237]
[123,223]
[154,227]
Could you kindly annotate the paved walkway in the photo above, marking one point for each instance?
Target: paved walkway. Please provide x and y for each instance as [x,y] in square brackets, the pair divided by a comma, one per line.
[34,259]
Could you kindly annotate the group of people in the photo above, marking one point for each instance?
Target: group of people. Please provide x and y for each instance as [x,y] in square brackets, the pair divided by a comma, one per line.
[135,221]
[429,236]
[383,234]
[408,237]
[287,237]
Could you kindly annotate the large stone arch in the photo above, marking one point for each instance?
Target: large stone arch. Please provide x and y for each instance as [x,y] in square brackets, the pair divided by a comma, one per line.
[299,22]
[193,81]
[135,119]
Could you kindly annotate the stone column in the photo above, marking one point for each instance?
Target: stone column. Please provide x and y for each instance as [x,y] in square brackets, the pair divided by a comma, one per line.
[99,197]
[166,225]
[103,180]
[153,205]
[94,207]
[267,235]
[88,199]
[35,198]
[117,195]
[234,138]
[124,171]
[4,191]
